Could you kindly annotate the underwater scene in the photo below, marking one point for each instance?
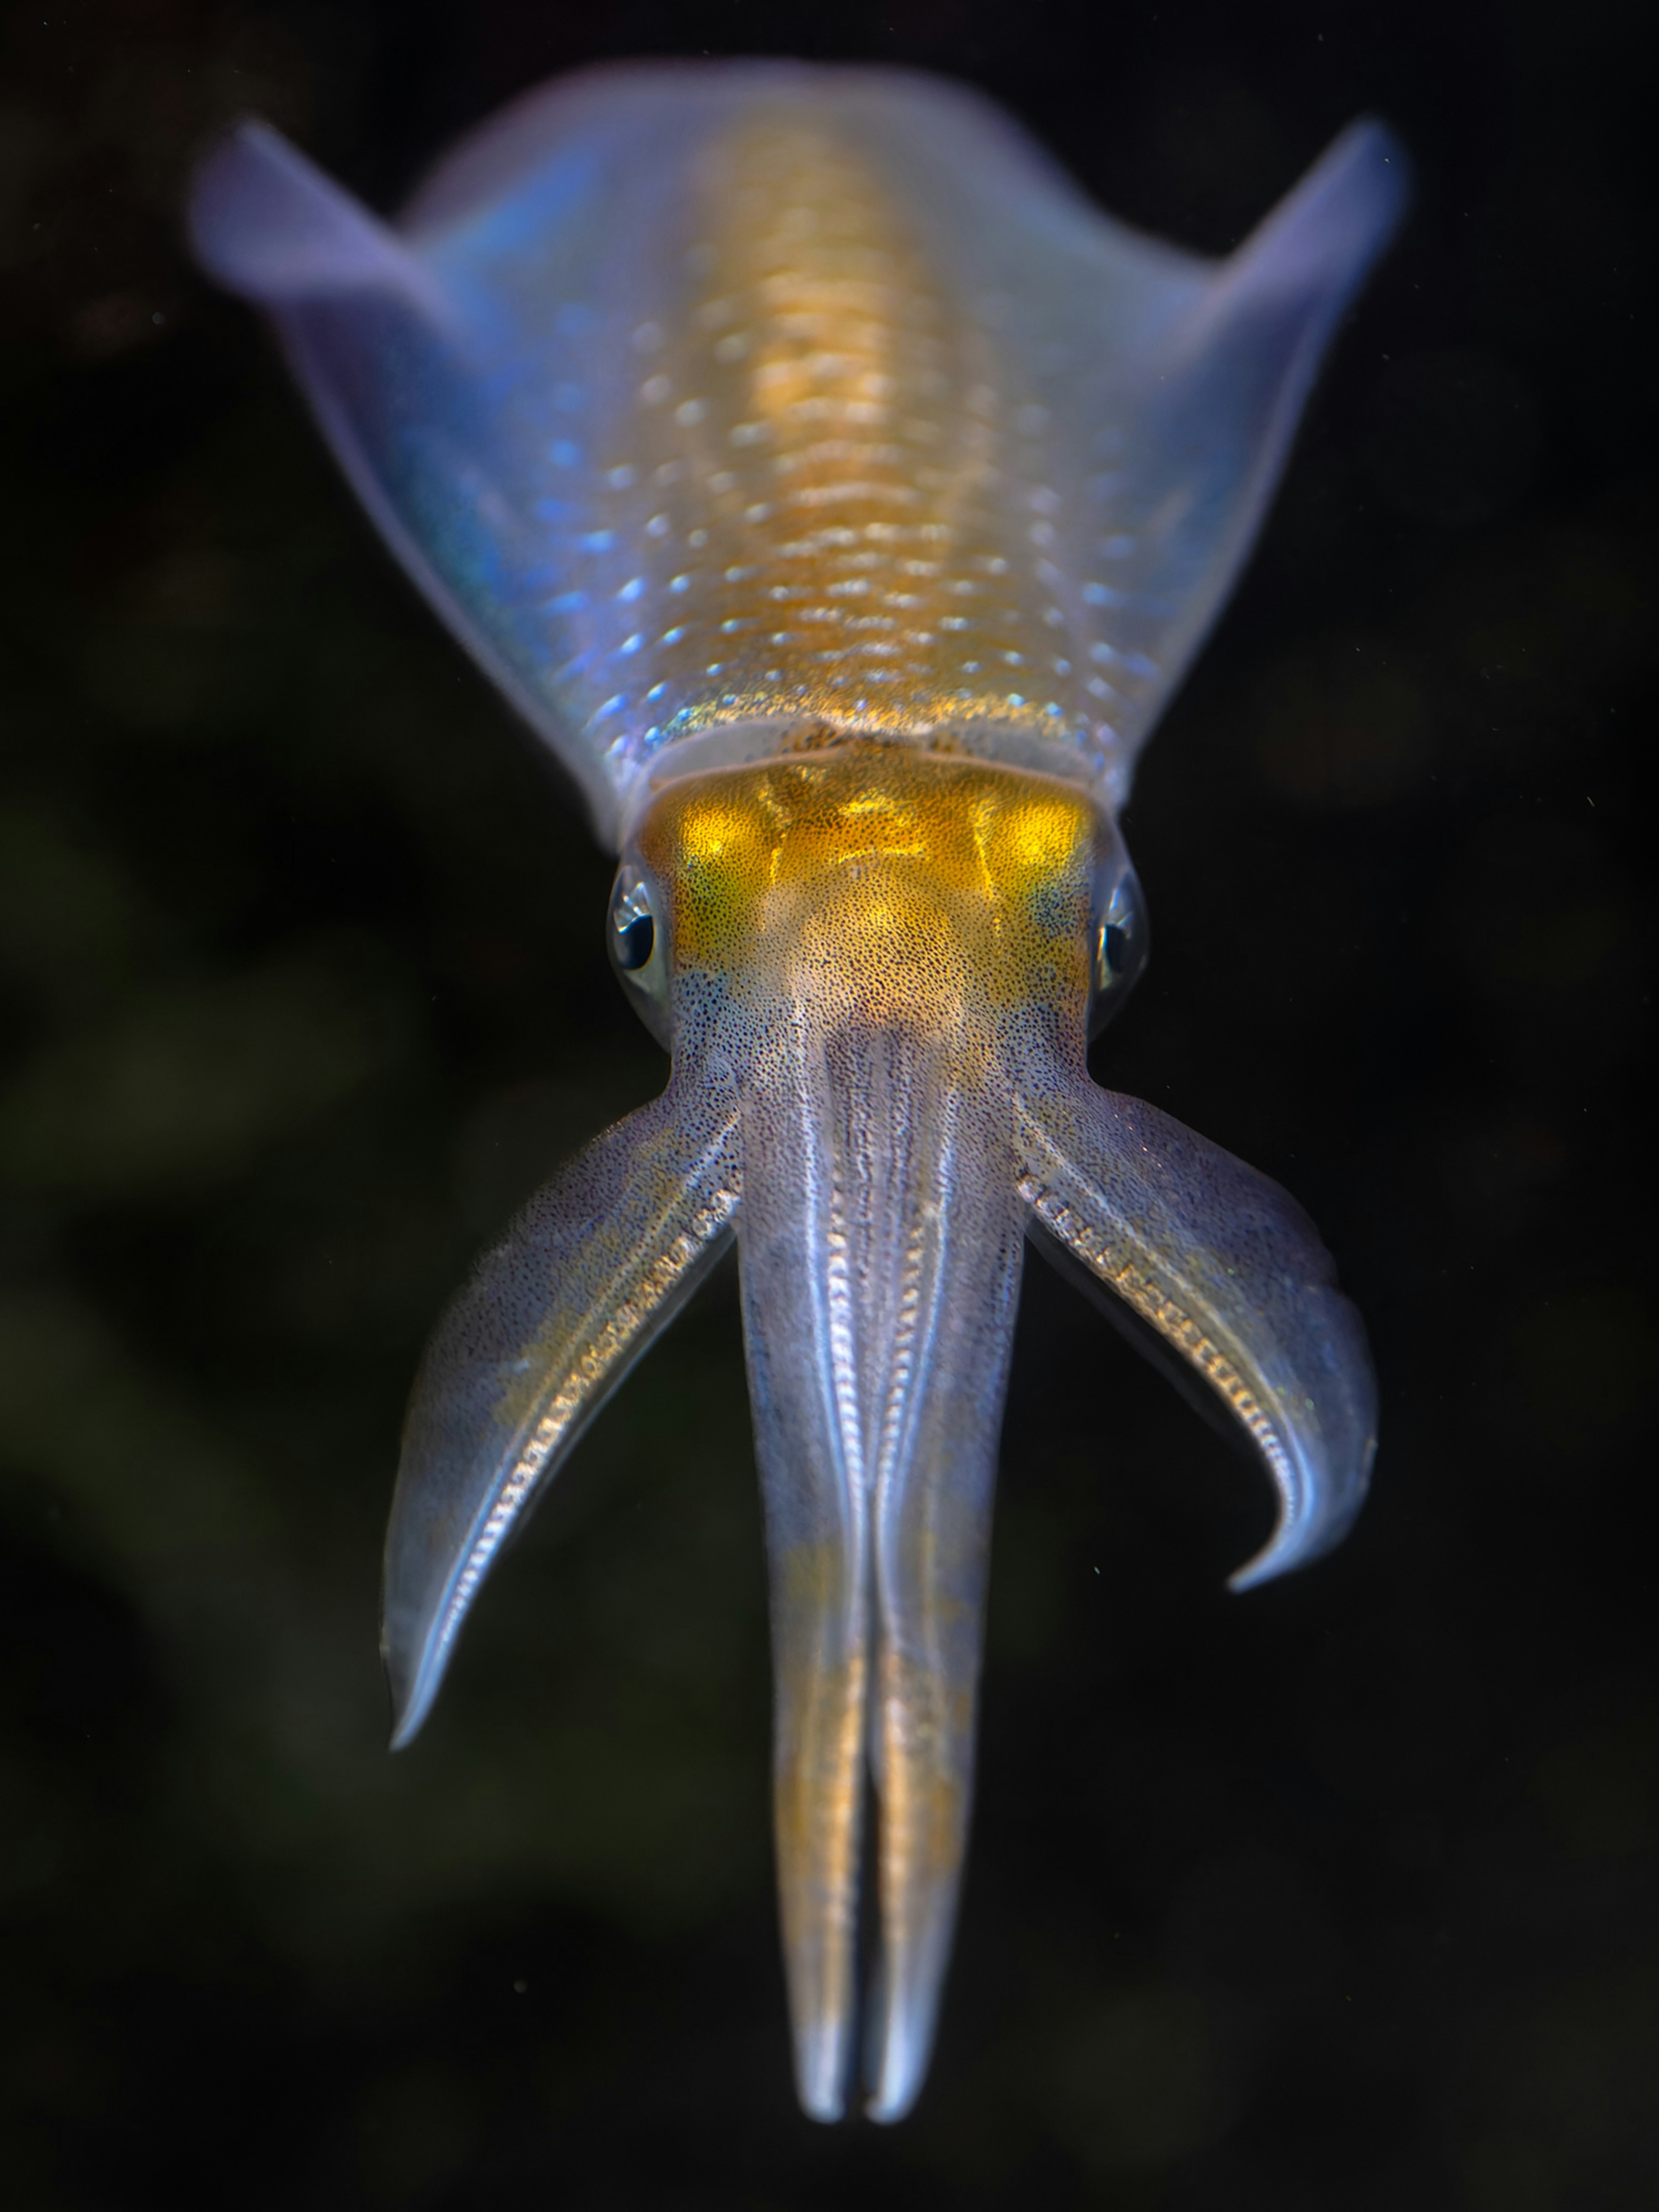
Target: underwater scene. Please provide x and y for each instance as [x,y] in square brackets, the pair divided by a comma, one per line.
[1221,438]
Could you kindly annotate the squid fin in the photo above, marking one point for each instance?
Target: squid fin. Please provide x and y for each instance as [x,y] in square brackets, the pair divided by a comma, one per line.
[1194,403]
[398,358]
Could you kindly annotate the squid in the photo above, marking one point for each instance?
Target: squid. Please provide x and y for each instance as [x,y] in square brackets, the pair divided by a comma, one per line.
[840,495]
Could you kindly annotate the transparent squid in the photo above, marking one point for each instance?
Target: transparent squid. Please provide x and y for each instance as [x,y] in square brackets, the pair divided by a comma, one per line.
[840,495]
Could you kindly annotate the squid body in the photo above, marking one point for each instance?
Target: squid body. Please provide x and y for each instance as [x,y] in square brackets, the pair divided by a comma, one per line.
[840,495]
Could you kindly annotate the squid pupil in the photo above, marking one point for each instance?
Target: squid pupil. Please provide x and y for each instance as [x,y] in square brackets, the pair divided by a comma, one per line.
[1115,943]
[634,942]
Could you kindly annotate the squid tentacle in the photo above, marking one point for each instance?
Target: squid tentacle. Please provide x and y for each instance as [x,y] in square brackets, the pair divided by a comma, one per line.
[1231,1275]
[549,1321]
[799,1289]
[881,1243]
[932,1532]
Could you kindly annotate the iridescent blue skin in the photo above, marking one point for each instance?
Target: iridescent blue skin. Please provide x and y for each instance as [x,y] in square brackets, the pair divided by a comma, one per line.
[840,496]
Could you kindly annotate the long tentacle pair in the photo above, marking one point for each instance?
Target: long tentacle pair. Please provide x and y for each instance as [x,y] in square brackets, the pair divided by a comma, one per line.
[880,1205]
[881,1256]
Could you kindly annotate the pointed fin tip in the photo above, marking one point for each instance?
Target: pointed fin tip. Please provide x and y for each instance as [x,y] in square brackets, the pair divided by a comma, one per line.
[264,222]
[1344,210]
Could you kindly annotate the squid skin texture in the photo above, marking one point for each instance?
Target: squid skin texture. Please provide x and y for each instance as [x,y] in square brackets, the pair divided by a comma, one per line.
[840,496]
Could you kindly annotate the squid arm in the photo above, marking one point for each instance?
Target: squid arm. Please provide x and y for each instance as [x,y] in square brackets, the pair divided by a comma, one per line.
[1229,1275]
[549,1321]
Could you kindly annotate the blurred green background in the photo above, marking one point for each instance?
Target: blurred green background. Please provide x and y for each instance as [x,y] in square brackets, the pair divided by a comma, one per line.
[1340,1895]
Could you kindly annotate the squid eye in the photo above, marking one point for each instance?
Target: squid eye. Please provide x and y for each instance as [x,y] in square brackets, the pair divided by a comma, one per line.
[1119,945]
[636,933]
[637,951]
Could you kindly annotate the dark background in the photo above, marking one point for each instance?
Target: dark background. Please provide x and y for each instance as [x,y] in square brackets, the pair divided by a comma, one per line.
[1340,1895]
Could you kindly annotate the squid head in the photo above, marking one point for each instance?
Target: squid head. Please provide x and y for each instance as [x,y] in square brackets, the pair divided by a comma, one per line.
[841,496]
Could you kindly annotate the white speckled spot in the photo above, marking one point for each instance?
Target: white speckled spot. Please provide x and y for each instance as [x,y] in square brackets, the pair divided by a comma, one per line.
[940,398]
